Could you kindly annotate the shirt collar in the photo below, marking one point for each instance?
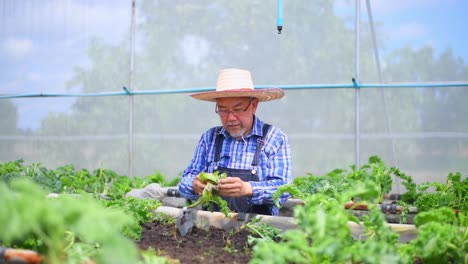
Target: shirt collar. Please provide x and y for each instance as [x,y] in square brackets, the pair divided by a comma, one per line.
[257,128]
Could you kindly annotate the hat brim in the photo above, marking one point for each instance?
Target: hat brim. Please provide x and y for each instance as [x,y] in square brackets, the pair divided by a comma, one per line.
[263,95]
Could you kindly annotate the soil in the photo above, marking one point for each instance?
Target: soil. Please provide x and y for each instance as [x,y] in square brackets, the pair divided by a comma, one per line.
[199,246]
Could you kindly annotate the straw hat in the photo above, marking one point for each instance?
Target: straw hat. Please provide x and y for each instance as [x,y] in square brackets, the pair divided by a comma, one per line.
[238,83]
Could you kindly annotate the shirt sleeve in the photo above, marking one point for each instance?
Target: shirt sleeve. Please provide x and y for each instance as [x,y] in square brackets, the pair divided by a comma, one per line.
[276,172]
[197,164]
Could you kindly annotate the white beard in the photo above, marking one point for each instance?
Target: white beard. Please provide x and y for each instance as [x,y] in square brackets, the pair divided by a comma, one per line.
[241,133]
[238,134]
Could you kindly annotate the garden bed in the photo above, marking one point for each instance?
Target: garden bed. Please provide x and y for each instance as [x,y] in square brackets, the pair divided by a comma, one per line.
[314,226]
[210,245]
[207,220]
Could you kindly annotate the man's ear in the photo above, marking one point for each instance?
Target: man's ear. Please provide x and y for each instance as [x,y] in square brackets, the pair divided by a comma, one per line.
[254,105]
[255,102]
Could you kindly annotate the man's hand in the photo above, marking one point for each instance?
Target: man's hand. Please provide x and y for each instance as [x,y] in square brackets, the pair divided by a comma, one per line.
[198,185]
[234,187]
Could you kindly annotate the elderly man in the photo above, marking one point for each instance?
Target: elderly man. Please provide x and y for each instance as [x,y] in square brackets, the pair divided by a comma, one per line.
[256,156]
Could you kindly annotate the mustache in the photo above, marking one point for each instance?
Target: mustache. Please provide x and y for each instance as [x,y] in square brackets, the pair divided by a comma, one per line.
[232,123]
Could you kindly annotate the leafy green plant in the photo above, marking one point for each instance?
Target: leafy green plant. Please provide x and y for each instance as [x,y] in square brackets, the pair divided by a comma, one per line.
[261,231]
[57,223]
[322,234]
[47,179]
[210,193]
[376,172]
[411,194]
[431,195]
[453,193]
[378,243]
[140,210]
[65,179]
[158,177]
[442,237]
[339,180]
[425,196]
[152,256]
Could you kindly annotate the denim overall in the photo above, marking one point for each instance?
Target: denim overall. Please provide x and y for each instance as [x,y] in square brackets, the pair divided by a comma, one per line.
[241,204]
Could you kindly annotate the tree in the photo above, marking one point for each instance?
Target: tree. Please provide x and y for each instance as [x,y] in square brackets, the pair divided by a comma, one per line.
[182,44]
[8,127]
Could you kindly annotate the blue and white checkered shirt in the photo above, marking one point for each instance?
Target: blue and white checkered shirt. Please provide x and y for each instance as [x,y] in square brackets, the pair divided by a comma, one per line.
[274,164]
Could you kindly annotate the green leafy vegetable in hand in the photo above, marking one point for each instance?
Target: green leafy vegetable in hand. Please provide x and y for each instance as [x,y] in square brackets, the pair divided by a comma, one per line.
[210,194]
[212,178]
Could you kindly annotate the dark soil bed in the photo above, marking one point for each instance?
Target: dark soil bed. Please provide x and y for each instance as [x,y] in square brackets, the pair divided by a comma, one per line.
[200,246]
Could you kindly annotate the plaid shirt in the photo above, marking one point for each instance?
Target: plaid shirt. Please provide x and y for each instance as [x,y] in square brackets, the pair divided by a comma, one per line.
[274,164]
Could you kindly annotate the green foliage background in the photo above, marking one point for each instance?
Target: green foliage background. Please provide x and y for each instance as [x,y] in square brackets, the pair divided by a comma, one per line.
[183,44]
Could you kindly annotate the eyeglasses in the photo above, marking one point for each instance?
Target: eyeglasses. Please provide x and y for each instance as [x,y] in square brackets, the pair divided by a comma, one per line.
[235,112]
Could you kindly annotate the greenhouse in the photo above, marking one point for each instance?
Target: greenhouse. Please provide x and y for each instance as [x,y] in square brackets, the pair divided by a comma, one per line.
[100,126]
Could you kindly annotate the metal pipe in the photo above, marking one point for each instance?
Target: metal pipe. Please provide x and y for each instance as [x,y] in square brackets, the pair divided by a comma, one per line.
[285,87]
[130,98]
[357,90]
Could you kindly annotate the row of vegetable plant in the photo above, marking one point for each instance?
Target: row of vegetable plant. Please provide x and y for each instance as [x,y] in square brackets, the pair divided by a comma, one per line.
[323,234]
[75,216]
[74,227]
[425,196]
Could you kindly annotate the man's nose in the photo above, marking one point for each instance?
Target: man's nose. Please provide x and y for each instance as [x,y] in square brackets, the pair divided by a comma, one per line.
[231,116]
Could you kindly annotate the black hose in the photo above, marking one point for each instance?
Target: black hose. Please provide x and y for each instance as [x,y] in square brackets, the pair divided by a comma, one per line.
[173,193]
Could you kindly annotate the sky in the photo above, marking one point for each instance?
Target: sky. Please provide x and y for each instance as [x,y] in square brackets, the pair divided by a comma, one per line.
[441,24]
[38,39]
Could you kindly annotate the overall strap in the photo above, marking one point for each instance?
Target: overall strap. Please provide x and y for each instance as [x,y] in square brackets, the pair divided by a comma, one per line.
[218,144]
[260,143]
